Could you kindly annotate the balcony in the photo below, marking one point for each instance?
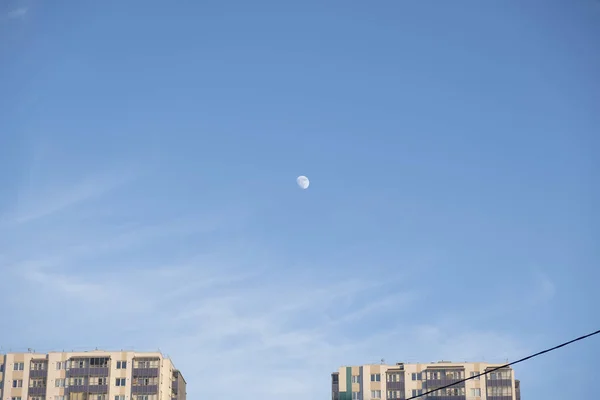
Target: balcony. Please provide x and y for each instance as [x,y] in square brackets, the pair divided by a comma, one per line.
[436,383]
[395,386]
[498,382]
[447,397]
[94,389]
[144,389]
[89,371]
[97,389]
[37,391]
[76,389]
[145,372]
[38,373]
[175,385]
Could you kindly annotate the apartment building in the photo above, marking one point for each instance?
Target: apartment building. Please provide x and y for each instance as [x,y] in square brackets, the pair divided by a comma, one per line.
[92,375]
[402,381]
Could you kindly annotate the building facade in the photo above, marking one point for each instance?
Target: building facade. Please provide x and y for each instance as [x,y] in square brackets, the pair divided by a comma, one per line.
[92,375]
[403,381]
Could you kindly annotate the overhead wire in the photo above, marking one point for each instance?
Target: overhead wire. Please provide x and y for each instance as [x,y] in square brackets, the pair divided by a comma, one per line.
[507,365]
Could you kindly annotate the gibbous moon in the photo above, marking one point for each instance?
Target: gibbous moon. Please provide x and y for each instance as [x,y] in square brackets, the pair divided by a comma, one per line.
[303,182]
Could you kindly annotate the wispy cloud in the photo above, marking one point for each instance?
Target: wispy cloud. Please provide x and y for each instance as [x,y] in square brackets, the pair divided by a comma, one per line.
[17,13]
[217,301]
[41,202]
[544,288]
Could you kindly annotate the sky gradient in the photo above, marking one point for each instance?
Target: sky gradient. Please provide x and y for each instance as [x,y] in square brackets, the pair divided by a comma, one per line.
[148,157]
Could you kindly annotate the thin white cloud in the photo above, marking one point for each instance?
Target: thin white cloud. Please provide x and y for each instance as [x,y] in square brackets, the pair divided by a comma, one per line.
[545,289]
[226,308]
[65,284]
[38,203]
[17,13]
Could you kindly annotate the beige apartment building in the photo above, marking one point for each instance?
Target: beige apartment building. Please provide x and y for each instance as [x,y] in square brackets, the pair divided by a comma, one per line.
[403,381]
[91,375]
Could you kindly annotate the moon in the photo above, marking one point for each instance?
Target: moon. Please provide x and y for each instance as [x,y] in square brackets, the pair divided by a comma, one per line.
[303,182]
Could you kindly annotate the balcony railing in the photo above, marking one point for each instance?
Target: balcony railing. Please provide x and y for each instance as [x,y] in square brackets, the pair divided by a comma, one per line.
[38,373]
[37,391]
[435,383]
[395,386]
[94,389]
[88,371]
[144,389]
[149,372]
[498,382]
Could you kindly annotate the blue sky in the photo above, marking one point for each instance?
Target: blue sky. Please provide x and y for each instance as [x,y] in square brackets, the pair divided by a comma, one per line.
[148,156]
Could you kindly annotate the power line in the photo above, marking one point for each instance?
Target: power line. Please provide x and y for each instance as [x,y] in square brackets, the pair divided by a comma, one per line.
[508,365]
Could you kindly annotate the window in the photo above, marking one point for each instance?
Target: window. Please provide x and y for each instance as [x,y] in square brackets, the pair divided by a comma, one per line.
[452,392]
[38,366]
[97,362]
[121,364]
[375,377]
[37,398]
[500,375]
[61,365]
[393,378]
[37,382]
[375,394]
[474,373]
[499,391]
[418,392]
[355,396]
[146,364]
[17,383]
[60,382]
[97,381]
[120,382]
[120,397]
[393,394]
[1,367]
[145,397]
[355,379]
[476,392]
[416,377]
[76,381]
[453,374]
[16,398]
[145,381]
[434,375]
[97,397]
[60,397]
[18,366]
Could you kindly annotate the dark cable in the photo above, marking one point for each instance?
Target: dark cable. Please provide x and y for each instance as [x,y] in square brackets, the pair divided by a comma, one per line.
[507,365]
